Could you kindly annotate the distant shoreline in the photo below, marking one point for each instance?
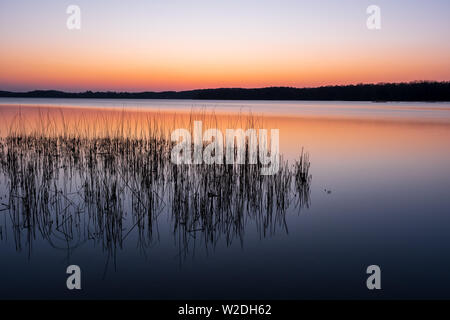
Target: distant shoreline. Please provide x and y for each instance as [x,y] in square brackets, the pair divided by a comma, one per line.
[424,91]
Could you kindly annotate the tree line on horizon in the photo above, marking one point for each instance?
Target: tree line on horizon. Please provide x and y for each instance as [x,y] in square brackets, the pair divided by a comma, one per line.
[411,91]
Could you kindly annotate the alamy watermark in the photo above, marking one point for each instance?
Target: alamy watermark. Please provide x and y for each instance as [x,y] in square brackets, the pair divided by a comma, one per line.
[241,147]
[374,20]
[374,280]
[74,20]
[74,280]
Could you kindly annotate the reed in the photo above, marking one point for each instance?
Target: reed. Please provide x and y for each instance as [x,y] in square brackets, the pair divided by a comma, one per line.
[72,182]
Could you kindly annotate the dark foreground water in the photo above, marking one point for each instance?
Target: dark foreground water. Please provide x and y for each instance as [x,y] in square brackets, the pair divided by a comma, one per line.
[379,194]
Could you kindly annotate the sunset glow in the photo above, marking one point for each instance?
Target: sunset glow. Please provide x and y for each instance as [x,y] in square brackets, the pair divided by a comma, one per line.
[176,45]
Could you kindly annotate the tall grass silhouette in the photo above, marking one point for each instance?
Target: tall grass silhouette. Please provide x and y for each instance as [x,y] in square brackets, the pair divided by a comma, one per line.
[74,181]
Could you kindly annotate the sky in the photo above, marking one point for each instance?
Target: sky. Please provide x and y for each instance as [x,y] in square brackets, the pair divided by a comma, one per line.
[158,45]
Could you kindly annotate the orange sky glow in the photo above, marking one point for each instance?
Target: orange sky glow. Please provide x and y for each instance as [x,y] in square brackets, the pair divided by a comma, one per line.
[159,52]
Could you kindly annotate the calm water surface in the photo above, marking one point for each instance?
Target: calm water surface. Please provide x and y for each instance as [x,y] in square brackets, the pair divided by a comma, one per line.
[380,194]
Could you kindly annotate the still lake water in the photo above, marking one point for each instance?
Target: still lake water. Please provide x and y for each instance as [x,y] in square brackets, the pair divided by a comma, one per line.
[387,166]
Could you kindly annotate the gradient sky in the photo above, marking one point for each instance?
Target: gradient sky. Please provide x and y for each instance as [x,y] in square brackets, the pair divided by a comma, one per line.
[138,45]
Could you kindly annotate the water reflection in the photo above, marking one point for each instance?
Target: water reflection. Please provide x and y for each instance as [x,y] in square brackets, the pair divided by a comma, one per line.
[75,191]
[389,206]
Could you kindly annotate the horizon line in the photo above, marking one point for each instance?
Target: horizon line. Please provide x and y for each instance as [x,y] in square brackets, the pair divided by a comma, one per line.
[237,88]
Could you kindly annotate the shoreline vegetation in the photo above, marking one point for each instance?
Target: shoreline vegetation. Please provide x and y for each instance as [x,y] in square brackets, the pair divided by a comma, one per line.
[66,182]
[423,91]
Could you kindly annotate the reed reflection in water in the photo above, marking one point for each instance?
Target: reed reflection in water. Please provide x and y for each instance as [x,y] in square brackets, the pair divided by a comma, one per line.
[74,182]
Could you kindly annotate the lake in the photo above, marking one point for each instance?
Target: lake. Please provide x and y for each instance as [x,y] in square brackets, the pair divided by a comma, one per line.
[378,194]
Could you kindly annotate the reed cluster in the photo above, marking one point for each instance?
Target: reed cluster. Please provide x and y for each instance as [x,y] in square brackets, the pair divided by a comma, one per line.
[72,187]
